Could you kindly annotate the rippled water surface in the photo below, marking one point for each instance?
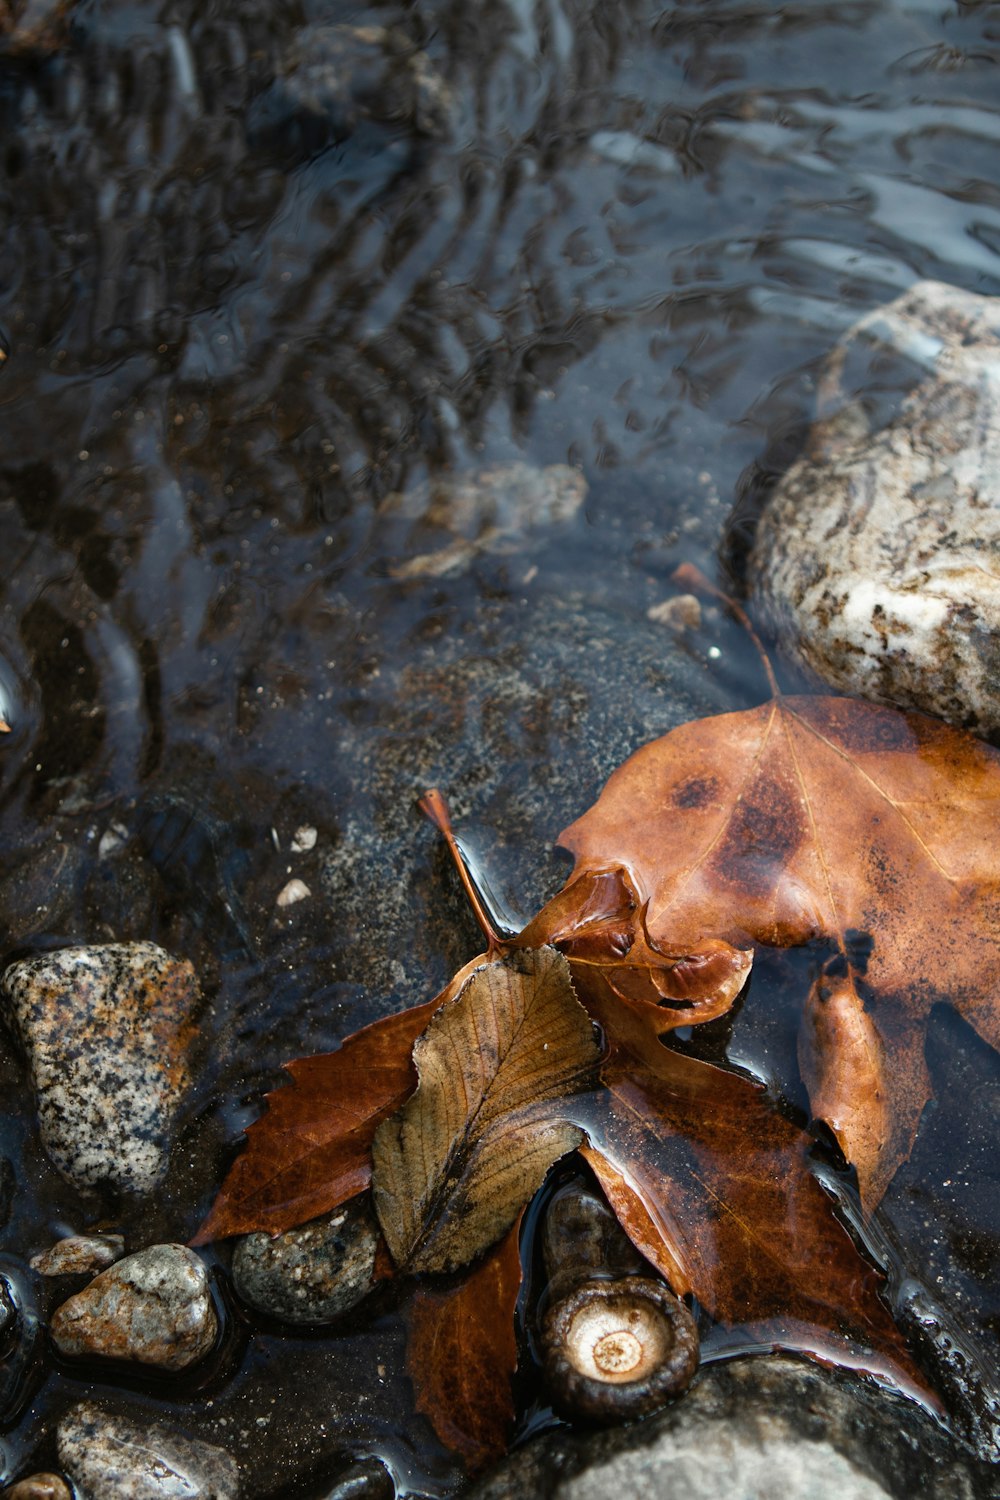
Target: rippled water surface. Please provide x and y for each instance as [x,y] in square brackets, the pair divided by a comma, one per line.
[245,307]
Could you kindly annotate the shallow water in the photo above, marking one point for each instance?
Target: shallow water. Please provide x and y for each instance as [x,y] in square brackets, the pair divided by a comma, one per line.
[626,245]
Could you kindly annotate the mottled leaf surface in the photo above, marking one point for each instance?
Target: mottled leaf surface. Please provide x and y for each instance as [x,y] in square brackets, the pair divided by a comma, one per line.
[311,1150]
[489,1117]
[807,820]
[715,1188]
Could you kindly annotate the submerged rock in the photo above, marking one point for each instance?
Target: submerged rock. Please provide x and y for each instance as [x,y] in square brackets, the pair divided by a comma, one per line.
[153,1308]
[79,1254]
[106,1030]
[752,1428]
[312,1274]
[877,558]
[334,78]
[487,510]
[109,1455]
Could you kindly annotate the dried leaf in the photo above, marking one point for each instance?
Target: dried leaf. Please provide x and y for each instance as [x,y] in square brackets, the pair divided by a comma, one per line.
[461,1354]
[802,820]
[715,1188]
[489,1117]
[311,1150]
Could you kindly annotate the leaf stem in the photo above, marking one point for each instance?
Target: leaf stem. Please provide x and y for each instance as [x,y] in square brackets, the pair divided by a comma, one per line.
[692,577]
[433,805]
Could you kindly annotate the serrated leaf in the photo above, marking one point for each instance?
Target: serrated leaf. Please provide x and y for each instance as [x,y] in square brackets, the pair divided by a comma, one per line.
[489,1117]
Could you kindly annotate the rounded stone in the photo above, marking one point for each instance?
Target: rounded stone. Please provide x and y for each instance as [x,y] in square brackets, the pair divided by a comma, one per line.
[109,1455]
[79,1254]
[39,1487]
[875,557]
[106,1030]
[312,1274]
[152,1308]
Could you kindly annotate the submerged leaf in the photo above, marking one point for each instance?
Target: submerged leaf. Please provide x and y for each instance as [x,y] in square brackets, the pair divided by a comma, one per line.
[489,1117]
[461,1354]
[715,1188]
[804,820]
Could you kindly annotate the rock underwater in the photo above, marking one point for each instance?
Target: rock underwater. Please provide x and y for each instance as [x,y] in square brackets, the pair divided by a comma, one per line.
[876,560]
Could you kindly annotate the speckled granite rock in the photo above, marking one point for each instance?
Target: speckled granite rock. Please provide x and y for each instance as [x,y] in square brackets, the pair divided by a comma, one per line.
[311,1274]
[79,1254]
[877,558]
[153,1308]
[753,1429]
[106,1030]
[110,1457]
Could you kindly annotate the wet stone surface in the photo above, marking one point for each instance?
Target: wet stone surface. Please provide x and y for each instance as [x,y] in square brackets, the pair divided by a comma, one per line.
[747,1429]
[106,1030]
[312,1274]
[111,1457]
[877,558]
[79,1254]
[153,1308]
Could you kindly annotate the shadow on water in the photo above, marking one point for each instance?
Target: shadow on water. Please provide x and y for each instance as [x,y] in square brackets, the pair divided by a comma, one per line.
[262,268]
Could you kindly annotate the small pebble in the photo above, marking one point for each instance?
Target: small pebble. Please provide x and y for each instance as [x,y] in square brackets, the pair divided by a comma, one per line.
[303,839]
[39,1487]
[295,890]
[311,1274]
[111,1457]
[106,1030]
[152,1308]
[682,612]
[79,1254]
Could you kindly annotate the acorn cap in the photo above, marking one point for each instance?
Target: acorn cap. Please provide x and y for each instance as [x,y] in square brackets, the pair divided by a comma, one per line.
[616,1349]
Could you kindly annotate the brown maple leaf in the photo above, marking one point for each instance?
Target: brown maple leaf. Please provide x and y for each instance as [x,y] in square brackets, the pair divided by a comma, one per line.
[815,819]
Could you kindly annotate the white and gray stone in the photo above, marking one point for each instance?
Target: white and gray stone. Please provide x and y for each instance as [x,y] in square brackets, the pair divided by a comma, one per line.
[312,1274]
[152,1308]
[79,1254]
[877,557]
[108,1455]
[106,1030]
[753,1429]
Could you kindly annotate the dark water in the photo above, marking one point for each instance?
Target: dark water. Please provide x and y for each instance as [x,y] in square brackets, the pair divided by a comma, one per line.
[616,236]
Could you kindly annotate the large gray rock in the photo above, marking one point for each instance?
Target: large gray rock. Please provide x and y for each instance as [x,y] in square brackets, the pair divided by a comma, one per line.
[106,1030]
[753,1429]
[153,1308]
[877,557]
[110,1457]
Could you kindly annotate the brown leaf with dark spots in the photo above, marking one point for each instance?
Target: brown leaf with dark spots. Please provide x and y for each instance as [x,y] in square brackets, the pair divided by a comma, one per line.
[489,1116]
[311,1150]
[715,1188]
[461,1353]
[804,820]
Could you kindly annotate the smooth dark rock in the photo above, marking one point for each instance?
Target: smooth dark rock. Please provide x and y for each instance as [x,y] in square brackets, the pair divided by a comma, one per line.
[39,1487]
[311,1274]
